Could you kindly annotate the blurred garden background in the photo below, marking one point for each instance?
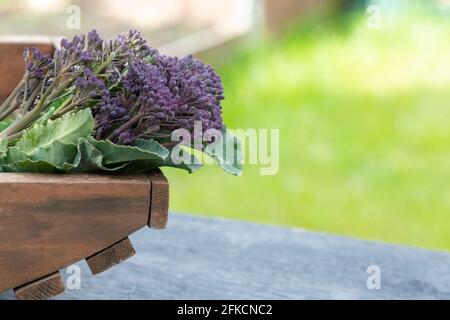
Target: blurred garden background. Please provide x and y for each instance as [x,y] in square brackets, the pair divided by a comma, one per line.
[363,112]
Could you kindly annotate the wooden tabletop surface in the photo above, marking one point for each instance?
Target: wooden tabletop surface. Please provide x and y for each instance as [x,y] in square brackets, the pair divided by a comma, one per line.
[201,258]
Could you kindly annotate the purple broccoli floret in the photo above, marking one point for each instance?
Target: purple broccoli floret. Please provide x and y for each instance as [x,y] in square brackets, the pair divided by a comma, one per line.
[132,90]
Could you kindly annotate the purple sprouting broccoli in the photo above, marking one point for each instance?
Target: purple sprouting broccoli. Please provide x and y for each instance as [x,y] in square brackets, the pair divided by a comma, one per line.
[37,62]
[132,90]
[198,91]
[162,96]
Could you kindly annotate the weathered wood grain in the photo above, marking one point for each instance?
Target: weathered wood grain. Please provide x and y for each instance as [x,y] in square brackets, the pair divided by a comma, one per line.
[159,200]
[110,256]
[50,221]
[12,65]
[202,258]
[44,288]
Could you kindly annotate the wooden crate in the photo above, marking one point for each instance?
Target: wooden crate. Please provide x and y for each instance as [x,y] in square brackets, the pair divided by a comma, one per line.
[50,221]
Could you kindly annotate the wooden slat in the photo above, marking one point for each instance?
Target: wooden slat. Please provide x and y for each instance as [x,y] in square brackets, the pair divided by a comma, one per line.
[48,221]
[41,289]
[279,15]
[12,64]
[159,200]
[111,256]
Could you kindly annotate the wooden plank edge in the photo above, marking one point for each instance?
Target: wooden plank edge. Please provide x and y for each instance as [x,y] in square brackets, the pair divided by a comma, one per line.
[111,256]
[159,200]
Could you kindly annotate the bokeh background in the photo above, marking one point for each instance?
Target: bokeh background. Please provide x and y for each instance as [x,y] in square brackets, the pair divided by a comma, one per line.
[363,113]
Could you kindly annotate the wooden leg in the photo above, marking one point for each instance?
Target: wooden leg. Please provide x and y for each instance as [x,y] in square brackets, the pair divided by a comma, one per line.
[41,289]
[159,200]
[111,256]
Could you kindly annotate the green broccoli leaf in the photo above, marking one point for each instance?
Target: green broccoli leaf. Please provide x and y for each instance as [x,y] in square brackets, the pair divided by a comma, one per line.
[57,157]
[39,166]
[142,156]
[7,168]
[140,150]
[89,158]
[226,151]
[67,129]
[18,161]
[147,165]
[50,146]
[60,155]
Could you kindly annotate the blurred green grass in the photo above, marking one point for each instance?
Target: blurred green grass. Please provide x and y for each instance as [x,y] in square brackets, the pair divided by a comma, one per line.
[364,129]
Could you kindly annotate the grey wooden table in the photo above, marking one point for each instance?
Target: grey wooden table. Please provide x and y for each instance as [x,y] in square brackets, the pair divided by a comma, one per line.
[200,258]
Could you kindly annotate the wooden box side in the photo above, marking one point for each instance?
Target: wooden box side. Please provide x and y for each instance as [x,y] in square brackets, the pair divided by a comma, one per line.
[51,221]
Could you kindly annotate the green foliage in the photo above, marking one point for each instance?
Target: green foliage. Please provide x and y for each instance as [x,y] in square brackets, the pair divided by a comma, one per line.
[89,158]
[226,152]
[94,155]
[140,150]
[66,145]
[67,130]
